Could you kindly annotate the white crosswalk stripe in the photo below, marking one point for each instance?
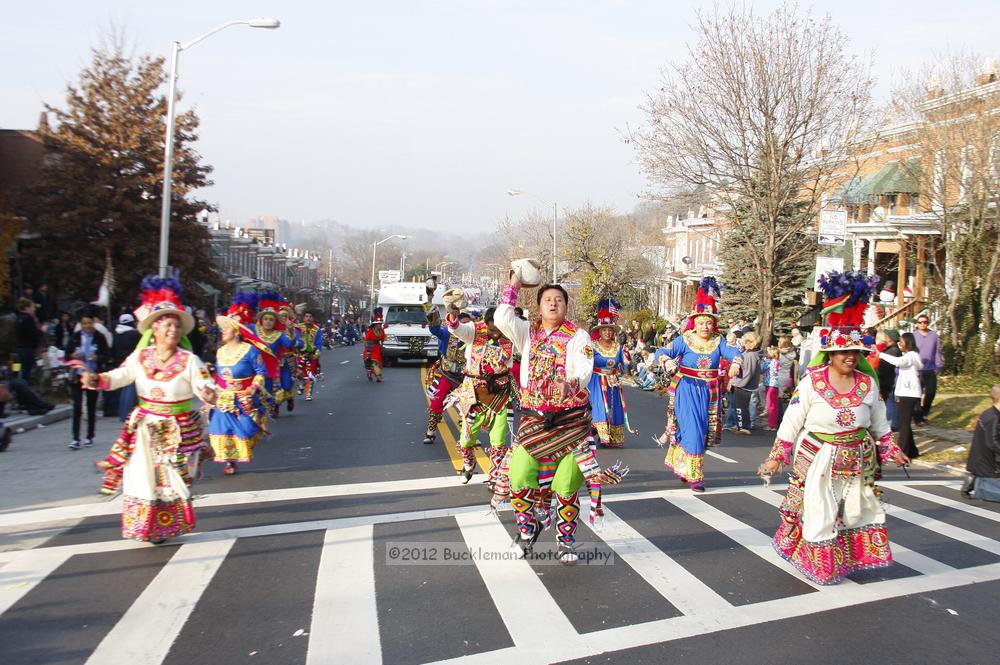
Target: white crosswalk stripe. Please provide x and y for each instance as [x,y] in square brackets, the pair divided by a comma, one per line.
[345,624]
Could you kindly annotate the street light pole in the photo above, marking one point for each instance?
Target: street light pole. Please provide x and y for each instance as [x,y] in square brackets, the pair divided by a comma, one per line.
[168,150]
[555,219]
[371,298]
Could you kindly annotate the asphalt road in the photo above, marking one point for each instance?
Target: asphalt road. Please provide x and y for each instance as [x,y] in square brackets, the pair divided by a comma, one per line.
[348,541]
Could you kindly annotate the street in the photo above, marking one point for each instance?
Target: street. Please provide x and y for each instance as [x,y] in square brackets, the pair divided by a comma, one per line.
[349,541]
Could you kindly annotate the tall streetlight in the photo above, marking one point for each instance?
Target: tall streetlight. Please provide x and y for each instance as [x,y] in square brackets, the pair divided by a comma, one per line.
[168,160]
[555,217]
[371,300]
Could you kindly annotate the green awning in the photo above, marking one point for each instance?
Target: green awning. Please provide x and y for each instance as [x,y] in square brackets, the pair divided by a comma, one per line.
[894,178]
[905,178]
[848,194]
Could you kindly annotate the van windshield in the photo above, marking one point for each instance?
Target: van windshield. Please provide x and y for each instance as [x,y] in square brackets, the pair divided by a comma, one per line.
[405,314]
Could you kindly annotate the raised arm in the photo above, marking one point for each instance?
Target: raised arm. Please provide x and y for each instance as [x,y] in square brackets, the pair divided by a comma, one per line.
[513,328]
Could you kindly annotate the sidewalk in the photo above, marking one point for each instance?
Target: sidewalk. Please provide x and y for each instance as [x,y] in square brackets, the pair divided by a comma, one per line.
[40,471]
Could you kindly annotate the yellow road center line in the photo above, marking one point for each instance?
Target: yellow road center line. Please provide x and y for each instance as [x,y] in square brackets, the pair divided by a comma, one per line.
[449,438]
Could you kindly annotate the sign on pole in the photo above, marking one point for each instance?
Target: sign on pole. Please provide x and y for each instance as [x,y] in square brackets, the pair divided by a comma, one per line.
[389,276]
[825,264]
[832,227]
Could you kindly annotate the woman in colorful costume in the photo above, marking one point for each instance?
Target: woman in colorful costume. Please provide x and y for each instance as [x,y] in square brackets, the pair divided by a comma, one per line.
[150,460]
[374,337]
[835,436]
[289,361]
[243,364]
[694,408]
[447,373]
[607,403]
[269,330]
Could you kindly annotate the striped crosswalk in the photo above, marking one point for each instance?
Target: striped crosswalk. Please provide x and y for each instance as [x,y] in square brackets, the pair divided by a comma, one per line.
[675,565]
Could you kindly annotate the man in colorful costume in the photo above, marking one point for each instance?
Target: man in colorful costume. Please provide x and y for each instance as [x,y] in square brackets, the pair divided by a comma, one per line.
[485,391]
[447,373]
[308,357]
[374,338]
[558,360]
[694,407]
[836,438]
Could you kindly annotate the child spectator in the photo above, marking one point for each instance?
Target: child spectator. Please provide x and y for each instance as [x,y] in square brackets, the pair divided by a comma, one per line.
[747,381]
[771,371]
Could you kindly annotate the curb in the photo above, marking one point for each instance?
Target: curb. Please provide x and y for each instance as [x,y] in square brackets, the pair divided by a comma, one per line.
[22,424]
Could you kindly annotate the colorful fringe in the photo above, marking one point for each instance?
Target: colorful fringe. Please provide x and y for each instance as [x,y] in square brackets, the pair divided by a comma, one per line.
[687,467]
[829,561]
[155,520]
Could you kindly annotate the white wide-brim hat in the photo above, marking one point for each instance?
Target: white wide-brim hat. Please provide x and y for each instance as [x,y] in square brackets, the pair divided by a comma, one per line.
[528,271]
[167,309]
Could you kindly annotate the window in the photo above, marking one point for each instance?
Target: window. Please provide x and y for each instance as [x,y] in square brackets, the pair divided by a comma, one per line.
[405,314]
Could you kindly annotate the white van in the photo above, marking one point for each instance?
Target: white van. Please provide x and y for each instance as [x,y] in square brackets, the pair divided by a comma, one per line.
[407,337]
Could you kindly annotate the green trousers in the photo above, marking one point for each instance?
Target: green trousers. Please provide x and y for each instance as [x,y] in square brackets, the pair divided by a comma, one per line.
[524,473]
[498,430]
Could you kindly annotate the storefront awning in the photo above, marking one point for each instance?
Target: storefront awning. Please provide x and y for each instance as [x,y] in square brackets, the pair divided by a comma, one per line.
[848,194]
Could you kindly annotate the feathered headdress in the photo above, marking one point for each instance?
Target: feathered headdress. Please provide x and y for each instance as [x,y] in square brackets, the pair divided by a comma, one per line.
[241,315]
[847,296]
[268,302]
[704,302]
[160,296]
[376,316]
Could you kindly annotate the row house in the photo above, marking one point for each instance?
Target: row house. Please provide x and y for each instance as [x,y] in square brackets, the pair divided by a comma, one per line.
[249,258]
[896,192]
[691,241]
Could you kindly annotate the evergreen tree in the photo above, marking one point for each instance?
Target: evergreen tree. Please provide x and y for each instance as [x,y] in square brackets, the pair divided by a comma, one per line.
[102,181]
[794,261]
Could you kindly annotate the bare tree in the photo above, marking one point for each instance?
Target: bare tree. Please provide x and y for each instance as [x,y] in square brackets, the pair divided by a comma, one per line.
[761,114]
[954,103]
[604,251]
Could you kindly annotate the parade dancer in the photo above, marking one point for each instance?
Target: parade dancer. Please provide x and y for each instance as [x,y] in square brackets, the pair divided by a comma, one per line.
[243,363]
[268,331]
[694,408]
[308,357]
[836,438]
[558,360]
[448,371]
[607,402]
[374,337]
[486,390]
[149,462]
[289,362]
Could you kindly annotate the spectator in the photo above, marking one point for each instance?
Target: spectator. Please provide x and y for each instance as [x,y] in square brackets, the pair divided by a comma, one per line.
[733,327]
[788,366]
[119,403]
[62,330]
[13,387]
[519,313]
[983,464]
[669,333]
[644,377]
[28,336]
[89,349]
[649,335]
[797,338]
[41,299]
[929,348]
[885,344]
[771,374]
[907,391]
[746,383]
[727,389]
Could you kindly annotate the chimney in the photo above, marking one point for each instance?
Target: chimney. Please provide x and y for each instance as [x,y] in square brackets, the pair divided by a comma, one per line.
[989,73]
[43,123]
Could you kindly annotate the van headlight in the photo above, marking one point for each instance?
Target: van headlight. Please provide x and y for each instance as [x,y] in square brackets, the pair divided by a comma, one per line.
[391,339]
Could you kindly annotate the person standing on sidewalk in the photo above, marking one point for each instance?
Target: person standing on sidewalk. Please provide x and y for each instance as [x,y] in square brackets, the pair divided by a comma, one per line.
[929,348]
[886,345]
[28,336]
[88,351]
[126,339]
[745,384]
[983,465]
[907,390]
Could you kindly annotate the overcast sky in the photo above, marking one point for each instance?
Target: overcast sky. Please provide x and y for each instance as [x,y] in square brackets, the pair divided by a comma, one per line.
[423,113]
